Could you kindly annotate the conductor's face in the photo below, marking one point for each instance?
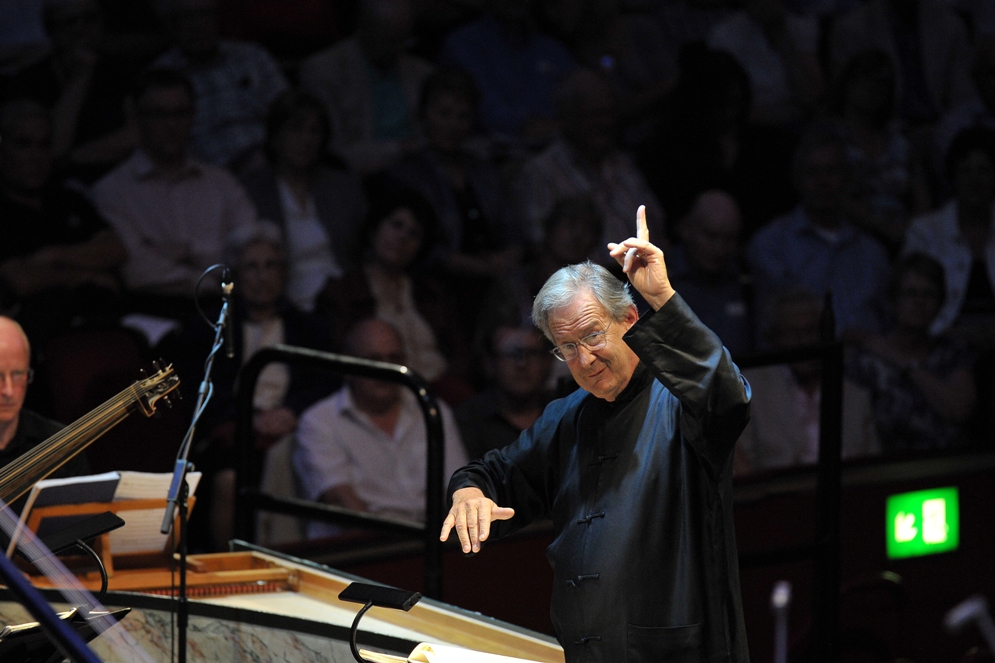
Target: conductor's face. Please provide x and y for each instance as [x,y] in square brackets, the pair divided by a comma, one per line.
[591,342]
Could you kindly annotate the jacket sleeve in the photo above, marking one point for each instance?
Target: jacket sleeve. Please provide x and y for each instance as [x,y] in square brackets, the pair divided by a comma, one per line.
[689,360]
[526,474]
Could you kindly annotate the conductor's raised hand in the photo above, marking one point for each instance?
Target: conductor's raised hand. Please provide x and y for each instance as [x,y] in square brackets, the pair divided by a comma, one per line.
[643,263]
[471,515]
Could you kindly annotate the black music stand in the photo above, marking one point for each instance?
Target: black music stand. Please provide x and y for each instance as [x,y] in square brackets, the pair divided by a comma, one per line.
[29,643]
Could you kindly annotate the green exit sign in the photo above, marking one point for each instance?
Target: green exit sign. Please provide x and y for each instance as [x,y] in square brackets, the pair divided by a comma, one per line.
[923,523]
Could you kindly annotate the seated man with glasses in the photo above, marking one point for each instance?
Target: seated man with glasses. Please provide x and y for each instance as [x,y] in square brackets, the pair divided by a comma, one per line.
[173,212]
[634,468]
[20,429]
[517,367]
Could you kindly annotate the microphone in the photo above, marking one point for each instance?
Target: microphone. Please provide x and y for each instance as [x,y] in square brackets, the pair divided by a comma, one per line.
[780,604]
[227,286]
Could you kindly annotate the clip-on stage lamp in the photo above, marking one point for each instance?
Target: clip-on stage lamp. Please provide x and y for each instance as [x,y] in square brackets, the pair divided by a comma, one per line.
[374,595]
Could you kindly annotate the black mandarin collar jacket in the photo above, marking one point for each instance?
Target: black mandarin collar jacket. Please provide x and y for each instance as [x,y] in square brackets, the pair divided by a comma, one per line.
[640,494]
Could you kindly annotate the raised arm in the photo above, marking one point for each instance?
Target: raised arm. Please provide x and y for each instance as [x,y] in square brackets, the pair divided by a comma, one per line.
[643,263]
[682,353]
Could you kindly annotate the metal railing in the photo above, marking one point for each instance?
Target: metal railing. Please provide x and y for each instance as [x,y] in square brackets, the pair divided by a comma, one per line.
[824,551]
[251,499]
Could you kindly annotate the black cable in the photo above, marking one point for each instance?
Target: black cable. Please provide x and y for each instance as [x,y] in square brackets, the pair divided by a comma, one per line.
[100,565]
[196,291]
[354,631]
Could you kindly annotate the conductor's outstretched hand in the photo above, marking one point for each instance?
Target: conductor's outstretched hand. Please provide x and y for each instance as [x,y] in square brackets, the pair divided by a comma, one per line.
[643,263]
[471,515]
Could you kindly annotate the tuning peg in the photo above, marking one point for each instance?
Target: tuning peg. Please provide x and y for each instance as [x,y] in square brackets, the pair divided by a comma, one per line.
[142,372]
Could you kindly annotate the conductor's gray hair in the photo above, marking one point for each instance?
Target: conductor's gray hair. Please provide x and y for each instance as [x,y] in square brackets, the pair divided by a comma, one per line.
[567,282]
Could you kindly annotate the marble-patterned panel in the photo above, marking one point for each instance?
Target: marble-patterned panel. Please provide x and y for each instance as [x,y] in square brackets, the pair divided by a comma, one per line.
[210,640]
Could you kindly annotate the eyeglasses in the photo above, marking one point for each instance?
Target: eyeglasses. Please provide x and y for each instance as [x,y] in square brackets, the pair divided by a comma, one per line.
[18,378]
[569,351]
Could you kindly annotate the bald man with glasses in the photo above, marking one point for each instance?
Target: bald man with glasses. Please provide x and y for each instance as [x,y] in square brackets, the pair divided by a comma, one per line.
[21,429]
[634,469]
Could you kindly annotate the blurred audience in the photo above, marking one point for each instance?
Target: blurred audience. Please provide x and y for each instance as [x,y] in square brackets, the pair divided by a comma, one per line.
[517,364]
[22,35]
[290,29]
[84,85]
[978,111]
[817,247]
[320,209]
[785,409]
[627,48]
[478,232]
[822,9]
[261,317]
[928,46]
[705,268]
[705,141]
[686,22]
[923,386]
[586,159]
[234,84]
[364,447]
[478,236]
[888,177]
[571,234]
[979,15]
[173,212]
[516,68]
[371,86]
[778,51]
[959,235]
[58,257]
[390,283]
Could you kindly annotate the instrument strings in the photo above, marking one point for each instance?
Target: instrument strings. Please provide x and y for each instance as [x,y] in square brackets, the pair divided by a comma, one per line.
[29,468]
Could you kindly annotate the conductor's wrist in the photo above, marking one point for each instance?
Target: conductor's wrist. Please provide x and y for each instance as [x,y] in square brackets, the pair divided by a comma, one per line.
[659,300]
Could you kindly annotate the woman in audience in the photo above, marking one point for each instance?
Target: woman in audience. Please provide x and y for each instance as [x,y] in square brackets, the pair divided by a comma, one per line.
[922,385]
[889,178]
[319,209]
[262,317]
[391,284]
[959,235]
[477,238]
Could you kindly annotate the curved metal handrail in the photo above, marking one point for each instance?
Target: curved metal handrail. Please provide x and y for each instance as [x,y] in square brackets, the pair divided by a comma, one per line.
[251,498]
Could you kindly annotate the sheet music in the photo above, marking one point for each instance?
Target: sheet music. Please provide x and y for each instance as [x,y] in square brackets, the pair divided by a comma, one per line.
[141,532]
[150,485]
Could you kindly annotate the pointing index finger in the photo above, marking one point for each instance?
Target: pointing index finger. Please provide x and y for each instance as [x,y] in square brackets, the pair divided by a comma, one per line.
[642,230]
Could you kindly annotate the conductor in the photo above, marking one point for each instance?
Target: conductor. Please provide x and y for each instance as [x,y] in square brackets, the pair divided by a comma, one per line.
[634,468]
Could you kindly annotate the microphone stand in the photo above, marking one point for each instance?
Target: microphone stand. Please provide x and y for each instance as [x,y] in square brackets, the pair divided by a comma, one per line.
[178,489]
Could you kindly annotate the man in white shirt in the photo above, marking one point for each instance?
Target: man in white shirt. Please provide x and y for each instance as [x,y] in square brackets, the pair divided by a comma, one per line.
[784,420]
[364,447]
[173,213]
